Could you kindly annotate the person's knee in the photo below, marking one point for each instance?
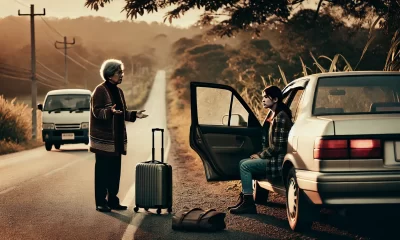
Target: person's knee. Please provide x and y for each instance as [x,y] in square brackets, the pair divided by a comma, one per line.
[243,165]
[243,161]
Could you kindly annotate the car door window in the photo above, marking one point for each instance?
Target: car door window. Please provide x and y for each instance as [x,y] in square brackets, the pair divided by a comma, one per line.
[213,108]
[212,105]
[239,115]
[295,103]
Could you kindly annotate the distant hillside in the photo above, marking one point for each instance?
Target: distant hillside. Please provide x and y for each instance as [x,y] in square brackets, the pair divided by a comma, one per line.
[139,44]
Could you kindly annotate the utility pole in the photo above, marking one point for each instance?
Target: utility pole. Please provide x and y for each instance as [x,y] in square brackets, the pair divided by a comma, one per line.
[33,66]
[65,55]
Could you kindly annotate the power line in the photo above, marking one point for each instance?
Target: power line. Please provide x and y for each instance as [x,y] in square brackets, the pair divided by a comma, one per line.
[70,58]
[21,3]
[10,69]
[84,59]
[41,64]
[52,28]
[15,71]
[26,79]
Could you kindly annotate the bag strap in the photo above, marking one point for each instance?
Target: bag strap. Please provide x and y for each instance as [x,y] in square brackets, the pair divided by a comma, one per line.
[186,213]
[205,213]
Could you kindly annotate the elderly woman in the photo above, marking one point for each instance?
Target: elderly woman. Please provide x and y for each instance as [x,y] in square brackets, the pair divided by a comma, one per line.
[107,132]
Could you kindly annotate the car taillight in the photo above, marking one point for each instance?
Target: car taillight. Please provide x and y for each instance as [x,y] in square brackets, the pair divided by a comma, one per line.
[330,149]
[365,148]
[346,148]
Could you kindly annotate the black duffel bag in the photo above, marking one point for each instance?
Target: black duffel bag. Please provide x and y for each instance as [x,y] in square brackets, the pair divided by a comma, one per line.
[197,219]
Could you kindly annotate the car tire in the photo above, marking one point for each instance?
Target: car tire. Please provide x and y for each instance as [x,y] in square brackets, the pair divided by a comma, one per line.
[299,211]
[57,146]
[260,194]
[48,146]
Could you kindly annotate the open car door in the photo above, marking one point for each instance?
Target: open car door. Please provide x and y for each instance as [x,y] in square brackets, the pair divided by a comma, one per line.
[224,130]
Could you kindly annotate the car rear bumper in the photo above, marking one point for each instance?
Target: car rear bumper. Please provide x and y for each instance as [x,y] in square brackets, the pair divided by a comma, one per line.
[54,136]
[350,188]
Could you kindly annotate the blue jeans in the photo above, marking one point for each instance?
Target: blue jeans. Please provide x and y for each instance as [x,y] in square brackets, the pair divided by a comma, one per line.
[249,168]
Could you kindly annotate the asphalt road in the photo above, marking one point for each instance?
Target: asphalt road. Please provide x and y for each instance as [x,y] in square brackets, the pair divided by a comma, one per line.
[50,195]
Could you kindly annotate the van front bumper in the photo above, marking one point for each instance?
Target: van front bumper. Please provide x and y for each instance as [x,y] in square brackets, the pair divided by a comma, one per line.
[55,136]
[350,188]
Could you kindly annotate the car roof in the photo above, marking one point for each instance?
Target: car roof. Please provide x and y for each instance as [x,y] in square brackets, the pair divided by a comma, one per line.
[69,91]
[315,76]
[354,73]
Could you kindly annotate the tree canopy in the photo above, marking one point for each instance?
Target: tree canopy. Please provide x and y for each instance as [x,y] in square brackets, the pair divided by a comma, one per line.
[254,15]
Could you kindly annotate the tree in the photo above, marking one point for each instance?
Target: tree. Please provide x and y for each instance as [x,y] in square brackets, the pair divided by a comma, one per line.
[254,15]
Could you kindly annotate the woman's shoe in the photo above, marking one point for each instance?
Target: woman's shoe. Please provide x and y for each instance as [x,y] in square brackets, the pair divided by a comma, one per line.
[240,199]
[118,207]
[103,208]
[247,207]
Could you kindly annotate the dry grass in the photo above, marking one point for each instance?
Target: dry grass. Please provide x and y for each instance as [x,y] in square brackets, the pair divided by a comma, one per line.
[16,126]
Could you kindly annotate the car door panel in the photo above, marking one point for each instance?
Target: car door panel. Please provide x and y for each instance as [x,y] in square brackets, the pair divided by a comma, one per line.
[222,147]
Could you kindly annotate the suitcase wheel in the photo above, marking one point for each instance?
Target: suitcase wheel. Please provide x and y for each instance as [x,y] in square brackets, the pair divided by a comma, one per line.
[136,209]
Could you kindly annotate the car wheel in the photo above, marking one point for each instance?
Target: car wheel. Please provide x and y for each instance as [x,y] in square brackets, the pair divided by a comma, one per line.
[48,146]
[57,146]
[298,210]
[260,194]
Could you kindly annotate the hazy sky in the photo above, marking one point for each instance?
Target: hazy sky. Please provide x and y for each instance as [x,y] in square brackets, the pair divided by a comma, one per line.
[76,8]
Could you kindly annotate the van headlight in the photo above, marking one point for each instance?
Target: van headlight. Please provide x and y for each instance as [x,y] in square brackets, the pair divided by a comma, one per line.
[85,125]
[48,126]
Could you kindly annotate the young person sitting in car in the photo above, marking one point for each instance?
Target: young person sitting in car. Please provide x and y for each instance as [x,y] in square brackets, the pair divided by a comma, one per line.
[268,162]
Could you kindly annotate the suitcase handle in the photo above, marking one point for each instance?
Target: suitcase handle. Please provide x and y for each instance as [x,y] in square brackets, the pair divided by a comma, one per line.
[162,144]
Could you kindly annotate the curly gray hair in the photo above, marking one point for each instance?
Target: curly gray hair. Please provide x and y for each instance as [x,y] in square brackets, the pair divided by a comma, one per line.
[109,67]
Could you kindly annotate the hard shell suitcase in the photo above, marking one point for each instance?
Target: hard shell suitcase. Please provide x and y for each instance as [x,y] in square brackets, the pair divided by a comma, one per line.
[154,182]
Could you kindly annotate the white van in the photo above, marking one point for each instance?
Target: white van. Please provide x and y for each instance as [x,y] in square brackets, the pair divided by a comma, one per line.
[65,117]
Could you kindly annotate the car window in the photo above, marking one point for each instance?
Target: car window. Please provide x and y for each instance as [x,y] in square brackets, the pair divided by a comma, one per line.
[298,106]
[239,115]
[357,95]
[212,105]
[213,108]
[295,102]
[67,101]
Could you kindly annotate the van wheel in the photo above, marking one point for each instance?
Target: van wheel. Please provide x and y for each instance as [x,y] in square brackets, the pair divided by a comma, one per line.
[48,146]
[57,146]
[299,211]
[260,194]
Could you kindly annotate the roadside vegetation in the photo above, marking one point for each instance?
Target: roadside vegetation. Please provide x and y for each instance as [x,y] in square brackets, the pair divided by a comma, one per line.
[16,126]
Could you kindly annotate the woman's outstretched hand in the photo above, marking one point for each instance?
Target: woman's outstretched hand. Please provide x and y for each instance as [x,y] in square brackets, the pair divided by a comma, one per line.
[140,114]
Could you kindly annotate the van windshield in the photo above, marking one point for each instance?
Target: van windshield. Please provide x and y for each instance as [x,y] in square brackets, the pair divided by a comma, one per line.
[67,102]
[368,94]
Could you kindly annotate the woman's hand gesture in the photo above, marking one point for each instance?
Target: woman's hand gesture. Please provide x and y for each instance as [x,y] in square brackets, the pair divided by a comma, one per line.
[140,114]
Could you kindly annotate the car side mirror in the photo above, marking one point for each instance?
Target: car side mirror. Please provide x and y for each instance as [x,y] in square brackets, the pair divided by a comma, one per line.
[236,120]
[40,107]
